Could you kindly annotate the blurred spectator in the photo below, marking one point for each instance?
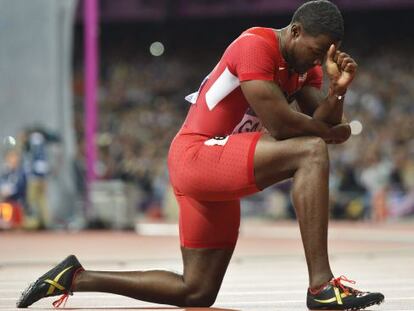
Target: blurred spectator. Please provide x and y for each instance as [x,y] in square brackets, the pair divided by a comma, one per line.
[141,107]
[12,189]
[38,168]
[13,178]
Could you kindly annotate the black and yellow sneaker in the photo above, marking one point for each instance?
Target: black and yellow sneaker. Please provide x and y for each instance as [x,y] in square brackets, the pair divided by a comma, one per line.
[336,296]
[57,281]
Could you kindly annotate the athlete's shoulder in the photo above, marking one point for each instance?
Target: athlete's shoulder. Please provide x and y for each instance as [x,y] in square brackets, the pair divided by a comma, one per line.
[259,30]
[264,33]
[254,54]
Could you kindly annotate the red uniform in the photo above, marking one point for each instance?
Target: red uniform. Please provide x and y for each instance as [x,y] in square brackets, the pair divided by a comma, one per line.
[211,158]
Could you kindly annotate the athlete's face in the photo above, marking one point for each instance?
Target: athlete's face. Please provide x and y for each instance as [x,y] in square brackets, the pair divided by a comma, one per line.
[307,51]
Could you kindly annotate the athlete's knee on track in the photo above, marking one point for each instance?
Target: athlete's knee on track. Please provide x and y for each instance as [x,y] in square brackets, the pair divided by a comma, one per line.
[201,296]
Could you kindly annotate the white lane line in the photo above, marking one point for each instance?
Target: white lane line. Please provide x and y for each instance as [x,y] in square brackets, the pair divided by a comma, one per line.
[276,292]
[259,284]
[279,302]
[350,234]
[235,292]
[399,298]
[256,303]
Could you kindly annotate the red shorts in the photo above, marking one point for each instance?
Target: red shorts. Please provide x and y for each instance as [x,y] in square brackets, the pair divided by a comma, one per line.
[209,176]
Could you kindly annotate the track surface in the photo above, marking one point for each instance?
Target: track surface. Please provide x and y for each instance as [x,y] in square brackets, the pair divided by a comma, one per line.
[267,272]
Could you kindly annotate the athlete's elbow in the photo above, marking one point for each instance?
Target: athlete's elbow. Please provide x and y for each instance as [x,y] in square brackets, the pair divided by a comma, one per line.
[279,133]
[277,136]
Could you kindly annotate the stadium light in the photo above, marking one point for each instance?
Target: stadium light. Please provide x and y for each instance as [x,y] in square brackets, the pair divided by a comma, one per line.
[157,48]
[356,127]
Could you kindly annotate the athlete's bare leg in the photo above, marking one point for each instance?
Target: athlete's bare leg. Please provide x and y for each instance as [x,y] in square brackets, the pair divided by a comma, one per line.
[204,270]
[306,160]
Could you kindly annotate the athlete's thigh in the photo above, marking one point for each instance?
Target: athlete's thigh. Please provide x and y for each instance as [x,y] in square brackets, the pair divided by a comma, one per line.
[208,235]
[208,224]
[277,160]
[204,268]
[213,169]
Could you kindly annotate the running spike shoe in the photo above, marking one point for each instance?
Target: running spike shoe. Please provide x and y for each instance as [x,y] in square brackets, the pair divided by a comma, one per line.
[57,281]
[336,296]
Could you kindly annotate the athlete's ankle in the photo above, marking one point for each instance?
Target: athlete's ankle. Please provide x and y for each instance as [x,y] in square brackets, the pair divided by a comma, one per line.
[317,283]
[77,280]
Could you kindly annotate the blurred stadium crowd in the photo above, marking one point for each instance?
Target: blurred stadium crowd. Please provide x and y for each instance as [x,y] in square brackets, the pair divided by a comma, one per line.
[141,107]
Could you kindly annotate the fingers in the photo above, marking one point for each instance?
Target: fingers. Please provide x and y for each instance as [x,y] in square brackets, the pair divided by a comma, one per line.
[331,52]
[351,67]
[345,62]
[335,58]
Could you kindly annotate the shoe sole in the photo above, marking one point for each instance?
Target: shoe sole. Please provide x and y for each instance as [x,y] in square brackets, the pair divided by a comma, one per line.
[29,291]
[354,308]
[366,306]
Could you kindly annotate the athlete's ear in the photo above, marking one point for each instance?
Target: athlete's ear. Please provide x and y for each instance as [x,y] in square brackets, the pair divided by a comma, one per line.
[295,30]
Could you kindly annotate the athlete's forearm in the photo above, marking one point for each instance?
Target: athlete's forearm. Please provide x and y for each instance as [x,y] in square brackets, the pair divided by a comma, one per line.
[269,103]
[299,124]
[331,109]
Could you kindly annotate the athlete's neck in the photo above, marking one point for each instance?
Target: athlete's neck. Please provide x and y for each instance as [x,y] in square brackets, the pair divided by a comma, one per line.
[281,34]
